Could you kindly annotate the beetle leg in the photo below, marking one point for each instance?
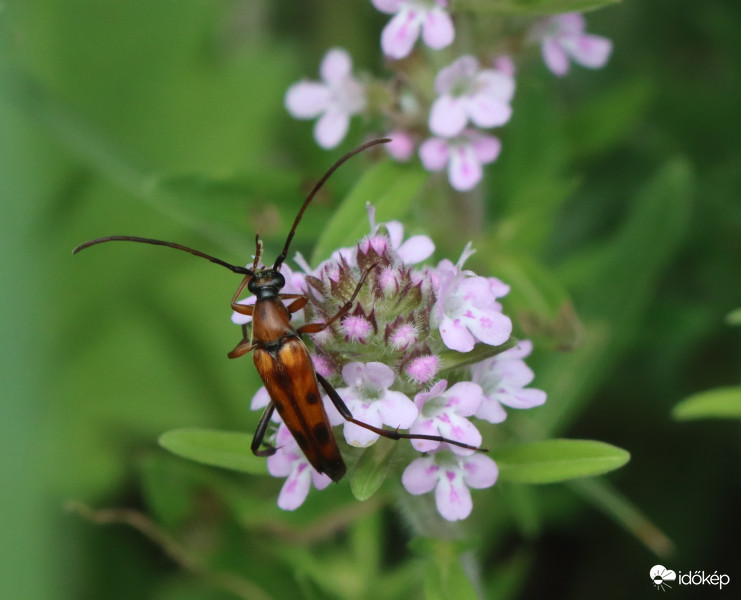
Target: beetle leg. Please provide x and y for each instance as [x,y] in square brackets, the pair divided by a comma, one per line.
[388,433]
[299,301]
[242,309]
[262,427]
[317,327]
[242,348]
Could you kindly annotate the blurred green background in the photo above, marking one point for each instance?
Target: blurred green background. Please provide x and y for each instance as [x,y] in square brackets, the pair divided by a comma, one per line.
[617,194]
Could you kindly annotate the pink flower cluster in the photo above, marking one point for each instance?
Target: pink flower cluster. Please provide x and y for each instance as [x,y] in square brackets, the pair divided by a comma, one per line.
[471,95]
[405,315]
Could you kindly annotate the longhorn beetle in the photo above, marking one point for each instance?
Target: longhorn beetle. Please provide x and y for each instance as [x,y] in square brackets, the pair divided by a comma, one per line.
[280,355]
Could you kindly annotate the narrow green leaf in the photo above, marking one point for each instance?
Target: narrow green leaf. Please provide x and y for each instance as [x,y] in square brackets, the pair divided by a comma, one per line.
[524,7]
[388,186]
[610,501]
[550,461]
[450,359]
[226,449]
[372,468]
[719,403]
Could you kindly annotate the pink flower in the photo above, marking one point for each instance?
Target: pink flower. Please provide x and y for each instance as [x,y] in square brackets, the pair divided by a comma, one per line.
[334,100]
[357,329]
[412,251]
[423,368]
[503,379]
[467,93]
[450,476]
[463,155]
[370,400]
[467,309]
[562,37]
[442,412]
[401,146]
[290,462]
[411,17]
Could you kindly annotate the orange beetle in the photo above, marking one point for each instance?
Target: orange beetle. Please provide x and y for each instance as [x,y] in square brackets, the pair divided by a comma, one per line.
[280,355]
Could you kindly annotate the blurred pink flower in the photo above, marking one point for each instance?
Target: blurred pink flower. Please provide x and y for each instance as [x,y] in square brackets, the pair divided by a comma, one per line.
[334,100]
[562,38]
[469,93]
[463,155]
[411,17]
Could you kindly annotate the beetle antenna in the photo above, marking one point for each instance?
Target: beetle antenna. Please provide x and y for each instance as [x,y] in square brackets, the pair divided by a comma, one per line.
[131,238]
[317,187]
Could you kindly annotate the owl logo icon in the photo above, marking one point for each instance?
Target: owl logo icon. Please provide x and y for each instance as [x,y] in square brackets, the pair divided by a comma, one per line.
[660,575]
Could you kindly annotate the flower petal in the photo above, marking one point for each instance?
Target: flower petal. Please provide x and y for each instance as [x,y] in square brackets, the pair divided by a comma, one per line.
[260,400]
[487,111]
[307,99]
[479,471]
[420,476]
[448,116]
[487,149]
[401,146]
[491,411]
[452,498]
[379,376]
[336,65]
[387,6]
[523,398]
[464,398]
[416,249]
[555,58]
[331,128]
[438,30]
[455,336]
[591,51]
[489,326]
[496,84]
[464,171]
[296,488]
[399,35]
[434,154]
[397,410]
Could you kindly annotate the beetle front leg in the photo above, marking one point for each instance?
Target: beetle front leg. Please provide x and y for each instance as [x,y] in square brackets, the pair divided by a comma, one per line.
[299,301]
[262,427]
[242,309]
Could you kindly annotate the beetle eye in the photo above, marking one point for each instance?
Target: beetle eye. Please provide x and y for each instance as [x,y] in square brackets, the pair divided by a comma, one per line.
[278,280]
[252,285]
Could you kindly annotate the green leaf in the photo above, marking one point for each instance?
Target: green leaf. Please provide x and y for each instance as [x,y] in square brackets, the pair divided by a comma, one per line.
[526,7]
[550,461]
[615,505]
[372,468]
[388,186]
[451,359]
[226,449]
[720,403]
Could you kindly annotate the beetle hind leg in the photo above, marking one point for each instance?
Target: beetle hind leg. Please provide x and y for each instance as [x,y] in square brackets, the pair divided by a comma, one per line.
[259,438]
